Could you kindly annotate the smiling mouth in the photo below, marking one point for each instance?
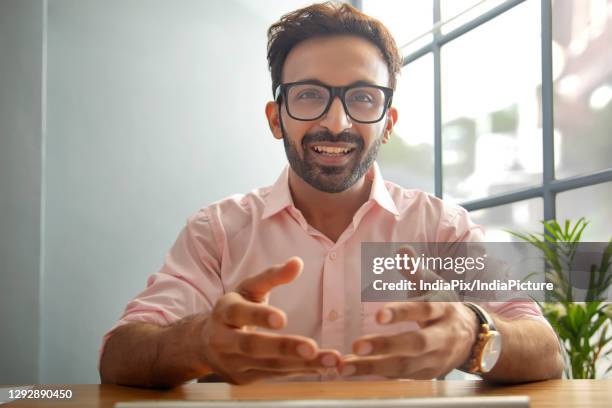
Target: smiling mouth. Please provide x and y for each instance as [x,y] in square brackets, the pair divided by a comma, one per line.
[332,151]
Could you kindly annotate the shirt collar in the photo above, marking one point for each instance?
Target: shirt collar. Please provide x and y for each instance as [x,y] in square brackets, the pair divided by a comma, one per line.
[279,196]
[379,192]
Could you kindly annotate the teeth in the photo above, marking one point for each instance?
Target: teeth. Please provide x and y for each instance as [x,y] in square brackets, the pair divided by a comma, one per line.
[331,150]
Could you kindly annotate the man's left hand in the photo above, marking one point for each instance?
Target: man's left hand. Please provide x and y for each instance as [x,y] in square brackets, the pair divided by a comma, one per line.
[444,341]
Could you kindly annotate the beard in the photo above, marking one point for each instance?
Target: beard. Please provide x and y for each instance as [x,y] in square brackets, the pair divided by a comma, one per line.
[330,179]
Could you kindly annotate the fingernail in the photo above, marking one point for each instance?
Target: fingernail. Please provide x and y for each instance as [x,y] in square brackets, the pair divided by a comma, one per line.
[305,351]
[348,370]
[329,361]
[275,321]
[385,316]
[363,349]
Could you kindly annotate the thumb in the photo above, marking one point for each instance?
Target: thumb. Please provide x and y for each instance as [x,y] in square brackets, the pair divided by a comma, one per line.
[257,287]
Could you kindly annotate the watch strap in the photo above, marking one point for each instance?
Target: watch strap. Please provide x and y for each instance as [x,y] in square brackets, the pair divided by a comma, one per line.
[486,326]
[482,315]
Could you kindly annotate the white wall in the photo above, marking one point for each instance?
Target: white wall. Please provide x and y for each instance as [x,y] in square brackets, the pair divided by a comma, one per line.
[118,119]
[21,42]
[154,109]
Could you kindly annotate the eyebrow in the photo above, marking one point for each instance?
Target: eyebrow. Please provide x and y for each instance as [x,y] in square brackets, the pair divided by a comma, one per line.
[355,83]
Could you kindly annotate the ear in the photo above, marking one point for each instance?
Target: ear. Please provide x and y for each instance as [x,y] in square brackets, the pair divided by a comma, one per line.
[273,115]
[391,121]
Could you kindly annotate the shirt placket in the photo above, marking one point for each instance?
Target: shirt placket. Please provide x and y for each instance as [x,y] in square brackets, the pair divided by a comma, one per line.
[333,314]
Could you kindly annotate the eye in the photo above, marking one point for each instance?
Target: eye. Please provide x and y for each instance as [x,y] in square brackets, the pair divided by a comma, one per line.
[362,97]
[309,94]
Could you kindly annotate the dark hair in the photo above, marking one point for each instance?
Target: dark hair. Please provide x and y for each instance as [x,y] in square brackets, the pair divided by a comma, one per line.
[327,19]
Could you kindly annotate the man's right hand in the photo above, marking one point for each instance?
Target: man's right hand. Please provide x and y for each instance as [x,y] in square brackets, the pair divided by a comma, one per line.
[239,354]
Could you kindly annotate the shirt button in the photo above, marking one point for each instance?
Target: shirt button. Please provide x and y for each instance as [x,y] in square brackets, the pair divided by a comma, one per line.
[332,255]
[332,316]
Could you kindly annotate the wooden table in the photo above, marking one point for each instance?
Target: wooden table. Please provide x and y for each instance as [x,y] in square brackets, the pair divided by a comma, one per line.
[552,393]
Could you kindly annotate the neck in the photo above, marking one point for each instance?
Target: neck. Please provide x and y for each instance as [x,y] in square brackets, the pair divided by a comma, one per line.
[329,213]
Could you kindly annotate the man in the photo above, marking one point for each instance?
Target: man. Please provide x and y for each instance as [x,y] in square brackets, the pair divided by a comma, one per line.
[286,259]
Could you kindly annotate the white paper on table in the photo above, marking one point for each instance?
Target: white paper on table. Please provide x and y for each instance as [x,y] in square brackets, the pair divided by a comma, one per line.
[436,402]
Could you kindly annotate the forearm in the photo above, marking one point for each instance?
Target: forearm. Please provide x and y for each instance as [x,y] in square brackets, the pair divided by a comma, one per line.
[147,355]
[530,352]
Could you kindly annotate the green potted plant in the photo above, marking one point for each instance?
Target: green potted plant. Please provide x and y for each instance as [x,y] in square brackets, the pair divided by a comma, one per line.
[583,327]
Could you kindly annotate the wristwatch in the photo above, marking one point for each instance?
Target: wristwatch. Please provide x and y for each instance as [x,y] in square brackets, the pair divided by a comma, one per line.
[487,348]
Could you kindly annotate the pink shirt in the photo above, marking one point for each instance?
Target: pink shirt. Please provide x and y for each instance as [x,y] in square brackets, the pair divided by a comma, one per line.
[242,235]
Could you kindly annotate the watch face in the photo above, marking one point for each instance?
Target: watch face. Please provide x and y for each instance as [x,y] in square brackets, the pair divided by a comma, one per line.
[491,352]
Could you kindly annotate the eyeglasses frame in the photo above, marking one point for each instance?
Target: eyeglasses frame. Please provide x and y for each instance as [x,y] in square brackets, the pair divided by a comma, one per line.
[339,91]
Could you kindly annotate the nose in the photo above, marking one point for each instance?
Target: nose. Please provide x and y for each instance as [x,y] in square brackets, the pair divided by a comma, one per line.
[336,119]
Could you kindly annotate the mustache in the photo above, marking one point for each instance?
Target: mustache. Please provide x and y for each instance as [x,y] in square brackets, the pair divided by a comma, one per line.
[326,136]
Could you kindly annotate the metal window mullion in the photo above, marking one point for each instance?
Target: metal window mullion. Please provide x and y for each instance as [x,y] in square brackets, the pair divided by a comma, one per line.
[548,159]
[503,199]
[603,176]
[424,50]
[556,186]
[442,39]
[438,187]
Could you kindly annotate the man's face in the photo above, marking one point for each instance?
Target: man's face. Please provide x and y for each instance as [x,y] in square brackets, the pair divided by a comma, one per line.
[333,152]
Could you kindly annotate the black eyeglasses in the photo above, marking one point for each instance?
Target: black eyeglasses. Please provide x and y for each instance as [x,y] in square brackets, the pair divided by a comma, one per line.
[310,100]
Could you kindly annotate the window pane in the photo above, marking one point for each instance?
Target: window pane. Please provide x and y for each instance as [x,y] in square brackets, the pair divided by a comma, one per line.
[522,216]
[592,202]
[405,19]
[408,158]
[582,34]
[492,139]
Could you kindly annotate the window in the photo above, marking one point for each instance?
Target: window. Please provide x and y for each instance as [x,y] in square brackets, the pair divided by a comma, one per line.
[505,108]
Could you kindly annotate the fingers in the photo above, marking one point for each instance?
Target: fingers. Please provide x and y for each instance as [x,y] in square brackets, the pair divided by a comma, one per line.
[324,360]
[410,311]
[235,311]
[412,343]
[393,366]
[244,307]
[262,345]
[257,287]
